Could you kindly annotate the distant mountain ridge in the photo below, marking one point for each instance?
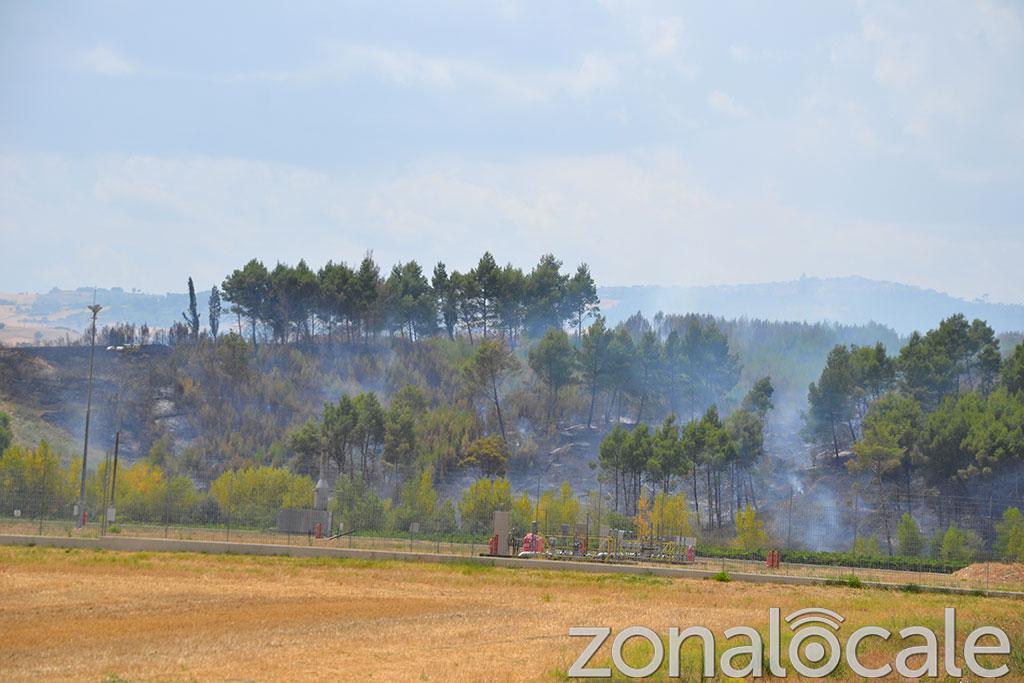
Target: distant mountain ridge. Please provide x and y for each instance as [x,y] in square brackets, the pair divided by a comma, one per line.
[847,300]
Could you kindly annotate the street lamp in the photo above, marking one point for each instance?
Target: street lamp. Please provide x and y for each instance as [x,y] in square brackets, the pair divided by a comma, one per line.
[80,512]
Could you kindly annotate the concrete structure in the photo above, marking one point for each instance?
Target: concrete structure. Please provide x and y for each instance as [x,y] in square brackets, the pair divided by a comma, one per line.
[304,521]
[321,494]
[501,527]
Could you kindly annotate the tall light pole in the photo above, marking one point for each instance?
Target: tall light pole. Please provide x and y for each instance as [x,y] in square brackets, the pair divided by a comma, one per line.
[95,308]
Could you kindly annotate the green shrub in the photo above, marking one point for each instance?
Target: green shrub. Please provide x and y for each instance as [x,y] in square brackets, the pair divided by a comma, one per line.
[358,507]
[837,559]
[866,546]
[911,540]
[959,545]
[1010,536]
[617,520]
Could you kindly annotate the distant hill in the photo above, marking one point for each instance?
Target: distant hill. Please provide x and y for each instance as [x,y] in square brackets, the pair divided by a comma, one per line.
[118,305]
[25,318]
[847,300]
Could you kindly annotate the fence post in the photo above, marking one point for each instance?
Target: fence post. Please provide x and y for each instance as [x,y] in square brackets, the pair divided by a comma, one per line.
[39,505]
[227,524]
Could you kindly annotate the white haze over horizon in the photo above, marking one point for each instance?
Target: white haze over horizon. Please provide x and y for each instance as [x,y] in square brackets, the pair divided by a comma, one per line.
[141,144]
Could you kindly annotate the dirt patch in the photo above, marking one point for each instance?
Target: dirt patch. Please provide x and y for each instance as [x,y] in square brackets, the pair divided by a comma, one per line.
[993,573]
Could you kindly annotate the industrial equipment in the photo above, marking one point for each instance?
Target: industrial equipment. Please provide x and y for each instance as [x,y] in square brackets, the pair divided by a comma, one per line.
[580,545]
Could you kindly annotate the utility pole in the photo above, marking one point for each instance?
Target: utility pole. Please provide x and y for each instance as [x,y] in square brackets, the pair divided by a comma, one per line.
[111,485]
[80,522]
[106,482]
[113,475]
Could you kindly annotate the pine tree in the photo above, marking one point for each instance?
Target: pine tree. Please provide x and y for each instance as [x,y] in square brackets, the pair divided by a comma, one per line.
[582,299]
[214,312]
[191,316]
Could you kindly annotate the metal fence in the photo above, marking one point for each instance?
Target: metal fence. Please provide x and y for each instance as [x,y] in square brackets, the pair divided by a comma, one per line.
[955,541]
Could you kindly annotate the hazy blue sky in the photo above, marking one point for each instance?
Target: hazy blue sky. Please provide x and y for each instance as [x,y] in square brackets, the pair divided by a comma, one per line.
[661,143]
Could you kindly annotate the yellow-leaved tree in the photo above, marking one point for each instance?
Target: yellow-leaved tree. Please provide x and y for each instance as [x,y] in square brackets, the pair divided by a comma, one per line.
[253,495]
[481,499]
[670,515]
[641,523]
[31,480]
[558,510]
[750,533]
[522,513]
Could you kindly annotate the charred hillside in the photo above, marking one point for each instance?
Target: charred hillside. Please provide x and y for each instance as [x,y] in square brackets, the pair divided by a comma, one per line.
[133,391]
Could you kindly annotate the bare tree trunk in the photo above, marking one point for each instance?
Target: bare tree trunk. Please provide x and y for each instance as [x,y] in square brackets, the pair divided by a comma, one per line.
[497,407]
[711,503]
[696,500]
[593,399]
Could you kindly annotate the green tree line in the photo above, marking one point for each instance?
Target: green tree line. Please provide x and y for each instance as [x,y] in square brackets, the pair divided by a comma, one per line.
[944,417]
[345,302]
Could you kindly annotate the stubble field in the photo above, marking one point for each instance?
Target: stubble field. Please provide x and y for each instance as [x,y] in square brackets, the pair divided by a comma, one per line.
[85,615]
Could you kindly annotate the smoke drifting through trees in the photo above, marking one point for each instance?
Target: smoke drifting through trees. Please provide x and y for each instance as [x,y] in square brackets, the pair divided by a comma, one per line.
[944,416]
[410,384]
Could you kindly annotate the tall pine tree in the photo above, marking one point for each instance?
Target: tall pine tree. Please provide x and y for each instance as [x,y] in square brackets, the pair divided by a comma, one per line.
[214,312]
[191,316]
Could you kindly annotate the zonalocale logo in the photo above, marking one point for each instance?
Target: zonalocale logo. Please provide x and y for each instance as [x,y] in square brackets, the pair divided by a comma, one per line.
[814,650]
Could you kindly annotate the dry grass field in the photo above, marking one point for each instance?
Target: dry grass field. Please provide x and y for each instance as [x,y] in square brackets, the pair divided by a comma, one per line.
[84,615]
